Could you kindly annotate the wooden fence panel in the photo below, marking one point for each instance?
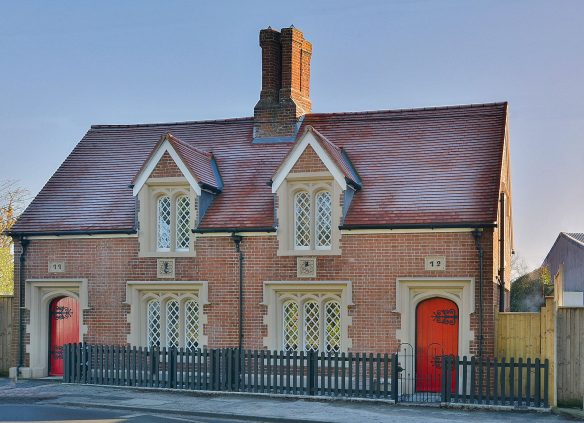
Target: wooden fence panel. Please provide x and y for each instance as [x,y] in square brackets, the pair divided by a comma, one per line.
[529,335]
[5,332]
[570,350]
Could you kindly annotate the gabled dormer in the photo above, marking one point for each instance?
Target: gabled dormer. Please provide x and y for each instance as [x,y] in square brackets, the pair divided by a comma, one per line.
[314,186]
[174,188]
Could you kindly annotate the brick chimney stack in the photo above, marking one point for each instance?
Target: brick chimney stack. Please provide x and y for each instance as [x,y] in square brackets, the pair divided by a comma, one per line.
[285,94]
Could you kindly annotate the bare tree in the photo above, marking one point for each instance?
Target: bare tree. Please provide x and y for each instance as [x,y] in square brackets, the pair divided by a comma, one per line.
[518,267]
[12,201]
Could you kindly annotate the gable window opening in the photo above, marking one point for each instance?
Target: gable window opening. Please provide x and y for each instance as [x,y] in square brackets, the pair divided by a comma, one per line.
[173,223]
[311,325]
[313,220]
[181,325]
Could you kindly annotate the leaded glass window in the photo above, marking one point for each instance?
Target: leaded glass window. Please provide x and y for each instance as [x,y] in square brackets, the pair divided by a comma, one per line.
[172,323]
[323,228]
[153,323]
[183,218]
[191,324]
[291,329]
[311,322]
[313,220]
[163,224]
[302,220]
[311,326]
[332,330]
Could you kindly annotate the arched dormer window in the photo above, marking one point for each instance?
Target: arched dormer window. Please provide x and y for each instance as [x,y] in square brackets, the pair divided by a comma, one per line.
[313,220]
[324,222]
[183,219]
[163,207]
[173,211]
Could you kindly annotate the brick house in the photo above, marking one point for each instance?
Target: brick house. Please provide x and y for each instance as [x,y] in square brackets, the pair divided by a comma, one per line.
[286,230]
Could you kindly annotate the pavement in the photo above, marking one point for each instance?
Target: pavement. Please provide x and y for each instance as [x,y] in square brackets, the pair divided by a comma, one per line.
[52,413]
[218,407]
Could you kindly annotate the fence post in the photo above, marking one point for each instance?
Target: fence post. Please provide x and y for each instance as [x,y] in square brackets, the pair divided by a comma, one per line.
[312,372]
[546,369]
[394,377]
[172,367]
[443,377]
[66,376]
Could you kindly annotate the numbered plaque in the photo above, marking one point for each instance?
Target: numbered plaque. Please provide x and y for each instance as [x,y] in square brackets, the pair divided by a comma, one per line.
[56,266]
[435,263]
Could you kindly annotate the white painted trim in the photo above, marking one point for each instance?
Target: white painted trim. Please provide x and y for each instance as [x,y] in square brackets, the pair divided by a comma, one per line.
[225,234]
[165,147]
[96,236]
[403,231]
[301,145]
[250,234]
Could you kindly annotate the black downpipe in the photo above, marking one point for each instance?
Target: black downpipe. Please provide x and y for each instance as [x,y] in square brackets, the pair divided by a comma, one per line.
[21,328]
[237,240]
[477,236]
[502,227]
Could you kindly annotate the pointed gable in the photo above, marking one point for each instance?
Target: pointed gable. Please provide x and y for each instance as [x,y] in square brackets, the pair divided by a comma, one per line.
[315,153]
[309,162]
[166,168]
[172,157]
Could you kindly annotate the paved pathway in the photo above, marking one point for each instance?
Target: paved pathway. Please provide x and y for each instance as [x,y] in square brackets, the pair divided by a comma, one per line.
[251,408]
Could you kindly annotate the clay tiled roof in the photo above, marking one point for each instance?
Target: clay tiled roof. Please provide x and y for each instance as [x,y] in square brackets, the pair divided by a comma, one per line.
[339,157]
[438,166]
[200,163]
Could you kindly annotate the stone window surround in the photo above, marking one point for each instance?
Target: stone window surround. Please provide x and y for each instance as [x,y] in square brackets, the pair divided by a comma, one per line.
[164,297]
[411,291]
[275,293]
[312,182]
[38,296]
[147,215]
[138,293]
[322,299]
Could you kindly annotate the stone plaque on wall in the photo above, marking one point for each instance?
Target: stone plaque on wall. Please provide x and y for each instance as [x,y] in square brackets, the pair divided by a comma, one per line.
[435,263]
[306,267]
[56,266]
[165,268]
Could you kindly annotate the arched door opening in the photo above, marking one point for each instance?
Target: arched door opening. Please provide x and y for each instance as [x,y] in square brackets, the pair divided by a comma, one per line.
[63,329]
[437,326]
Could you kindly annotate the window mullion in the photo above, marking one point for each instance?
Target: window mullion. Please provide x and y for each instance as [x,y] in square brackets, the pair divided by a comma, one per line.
[173,210]
[312,221]
[181,322]
[163,323]
[322,324]
[301,345]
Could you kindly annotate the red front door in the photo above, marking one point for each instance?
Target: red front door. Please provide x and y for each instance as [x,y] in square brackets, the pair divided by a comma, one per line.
[64,329]
[436,336]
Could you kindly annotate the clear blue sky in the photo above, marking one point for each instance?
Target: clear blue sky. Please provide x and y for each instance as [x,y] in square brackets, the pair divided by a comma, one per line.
[69,64]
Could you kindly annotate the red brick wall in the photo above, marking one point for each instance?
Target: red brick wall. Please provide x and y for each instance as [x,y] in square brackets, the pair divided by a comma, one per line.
[166,168]
[371,262]
[285,94]
[309,162]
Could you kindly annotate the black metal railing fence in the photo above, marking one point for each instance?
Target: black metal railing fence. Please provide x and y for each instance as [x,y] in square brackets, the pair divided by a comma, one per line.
[485,381]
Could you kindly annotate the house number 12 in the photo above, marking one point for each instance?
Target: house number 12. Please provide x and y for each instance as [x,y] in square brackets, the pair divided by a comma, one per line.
[435,263]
